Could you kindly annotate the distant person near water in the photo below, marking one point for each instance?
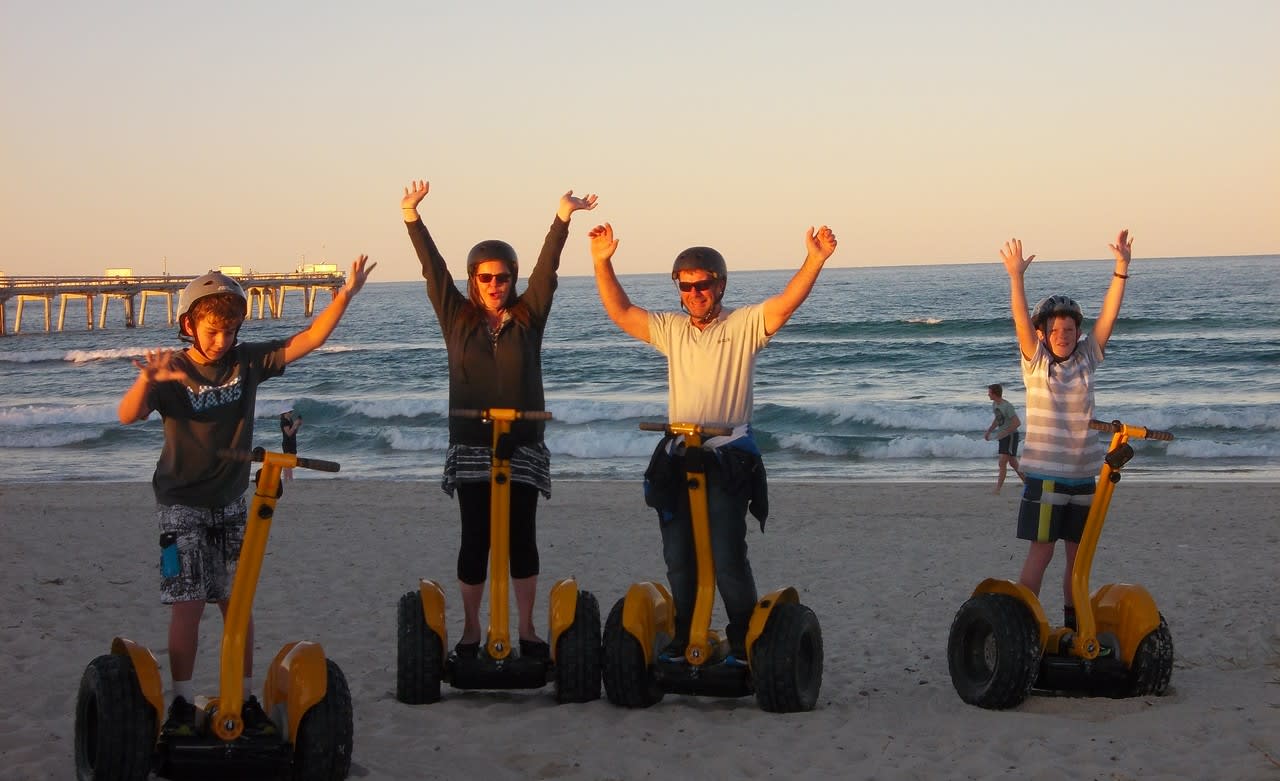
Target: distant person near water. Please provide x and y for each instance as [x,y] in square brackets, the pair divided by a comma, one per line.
[290,423]
[205,395]
[1062,454]
[493,338]
[1004,427]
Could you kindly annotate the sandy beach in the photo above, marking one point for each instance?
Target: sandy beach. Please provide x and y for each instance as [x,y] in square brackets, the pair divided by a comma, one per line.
[884,566]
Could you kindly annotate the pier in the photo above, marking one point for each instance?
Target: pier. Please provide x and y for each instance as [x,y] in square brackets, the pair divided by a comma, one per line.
[266,294]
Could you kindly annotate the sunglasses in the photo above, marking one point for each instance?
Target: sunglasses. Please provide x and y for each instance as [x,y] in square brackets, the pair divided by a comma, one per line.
[702,285]
[485,279]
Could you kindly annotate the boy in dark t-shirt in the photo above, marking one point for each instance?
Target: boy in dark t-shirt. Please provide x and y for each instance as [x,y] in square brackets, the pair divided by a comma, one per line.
[205,395]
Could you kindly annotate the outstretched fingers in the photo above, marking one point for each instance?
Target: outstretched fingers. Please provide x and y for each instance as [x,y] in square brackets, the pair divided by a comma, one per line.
[1011,255]
[1123,248]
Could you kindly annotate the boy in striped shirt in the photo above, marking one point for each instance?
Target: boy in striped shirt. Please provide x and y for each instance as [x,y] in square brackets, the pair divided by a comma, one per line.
[1061,455]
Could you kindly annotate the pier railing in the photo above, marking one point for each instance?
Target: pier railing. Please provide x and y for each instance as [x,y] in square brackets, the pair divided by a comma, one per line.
[266,295]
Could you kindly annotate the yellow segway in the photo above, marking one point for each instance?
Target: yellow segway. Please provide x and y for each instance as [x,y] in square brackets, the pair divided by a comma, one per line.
[1001,646]
[783,668]
[574,663]
[121,706]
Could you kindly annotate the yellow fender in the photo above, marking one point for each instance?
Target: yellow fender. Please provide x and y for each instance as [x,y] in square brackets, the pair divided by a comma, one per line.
[647,610]
[432,598]
[763,609]
[298,677]
[1127,610]
[147,669]
[1024,595]
[564,607]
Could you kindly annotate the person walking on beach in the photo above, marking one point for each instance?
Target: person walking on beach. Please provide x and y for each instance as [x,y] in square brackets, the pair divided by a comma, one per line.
[1062,456]
[205,395]
[494,342]
[290,423]
[1004,427]
[711,354]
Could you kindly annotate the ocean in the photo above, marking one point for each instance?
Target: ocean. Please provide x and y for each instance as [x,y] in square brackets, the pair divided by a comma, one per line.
[881,375]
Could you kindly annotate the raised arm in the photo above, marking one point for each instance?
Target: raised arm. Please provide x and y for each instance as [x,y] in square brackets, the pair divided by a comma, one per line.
[323,324]
[1014,263]
[543,280]
[1123,251]
[632,319]
[446,299]
[778,309]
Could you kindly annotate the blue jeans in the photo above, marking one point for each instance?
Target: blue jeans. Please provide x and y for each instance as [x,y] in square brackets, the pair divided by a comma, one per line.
[728,520]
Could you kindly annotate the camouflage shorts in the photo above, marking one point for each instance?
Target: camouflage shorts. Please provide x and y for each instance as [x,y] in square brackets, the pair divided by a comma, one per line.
[208,547]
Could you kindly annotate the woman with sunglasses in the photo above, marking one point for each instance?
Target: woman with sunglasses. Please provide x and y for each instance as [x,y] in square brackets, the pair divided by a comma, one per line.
[494,342]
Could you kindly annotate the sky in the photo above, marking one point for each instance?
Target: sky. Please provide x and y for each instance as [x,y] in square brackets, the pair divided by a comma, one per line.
[183,136]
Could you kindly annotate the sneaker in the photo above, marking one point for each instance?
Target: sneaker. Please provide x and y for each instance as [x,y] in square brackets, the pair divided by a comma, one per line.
[255,718]
[674,652]
[181,721]
[466,650]
[535,649]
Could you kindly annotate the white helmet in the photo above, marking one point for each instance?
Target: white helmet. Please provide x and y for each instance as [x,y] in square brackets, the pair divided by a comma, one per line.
[210,284]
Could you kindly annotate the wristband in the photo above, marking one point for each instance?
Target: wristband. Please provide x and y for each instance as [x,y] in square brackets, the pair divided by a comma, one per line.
[1119,275]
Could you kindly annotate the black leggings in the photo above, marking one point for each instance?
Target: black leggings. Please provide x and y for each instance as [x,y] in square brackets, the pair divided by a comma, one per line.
[473,556]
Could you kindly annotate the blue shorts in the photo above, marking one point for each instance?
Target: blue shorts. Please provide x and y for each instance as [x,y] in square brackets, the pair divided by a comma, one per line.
[1054,508]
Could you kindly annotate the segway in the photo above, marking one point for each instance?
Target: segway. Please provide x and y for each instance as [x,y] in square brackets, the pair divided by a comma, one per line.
[120,707]
[783,668]
[1002,647]
[574,625]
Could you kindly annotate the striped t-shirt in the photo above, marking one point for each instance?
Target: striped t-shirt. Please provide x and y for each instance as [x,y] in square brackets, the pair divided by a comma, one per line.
[1059,442]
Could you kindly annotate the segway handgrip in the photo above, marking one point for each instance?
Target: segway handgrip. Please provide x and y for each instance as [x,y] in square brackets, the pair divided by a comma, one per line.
[706,431]
[1136,432]
[318,464]
[260,454]
[484,414]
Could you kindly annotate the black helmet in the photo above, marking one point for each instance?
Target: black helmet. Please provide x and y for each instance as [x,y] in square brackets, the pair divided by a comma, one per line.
[1054,306]
[701,259]
[493,249]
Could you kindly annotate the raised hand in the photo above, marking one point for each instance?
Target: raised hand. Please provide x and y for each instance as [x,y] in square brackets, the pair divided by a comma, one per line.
[1013,260]
[157,366]
[359,273]
[820,243]
[414,193]
[603,244]
[569,204]
[1123,248]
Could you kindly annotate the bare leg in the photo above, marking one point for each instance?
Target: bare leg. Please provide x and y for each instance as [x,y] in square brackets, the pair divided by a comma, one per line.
[1017,468]
[1038,557]
[526,592]
[1072,547]
[1004,463]
[471,596]
[184,638]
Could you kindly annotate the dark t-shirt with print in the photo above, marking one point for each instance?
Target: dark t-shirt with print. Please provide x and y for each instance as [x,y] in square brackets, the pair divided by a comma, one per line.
[209,410]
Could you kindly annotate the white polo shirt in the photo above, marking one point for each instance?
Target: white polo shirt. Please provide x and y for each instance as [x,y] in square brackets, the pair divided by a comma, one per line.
[710,372]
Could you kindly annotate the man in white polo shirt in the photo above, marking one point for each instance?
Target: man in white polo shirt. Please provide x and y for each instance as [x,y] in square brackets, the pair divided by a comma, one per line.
[711,357]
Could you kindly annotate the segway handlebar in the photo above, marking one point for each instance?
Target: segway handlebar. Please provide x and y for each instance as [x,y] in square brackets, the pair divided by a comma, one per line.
[1134,432]
[678,428]
[503,414]
[260,454]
